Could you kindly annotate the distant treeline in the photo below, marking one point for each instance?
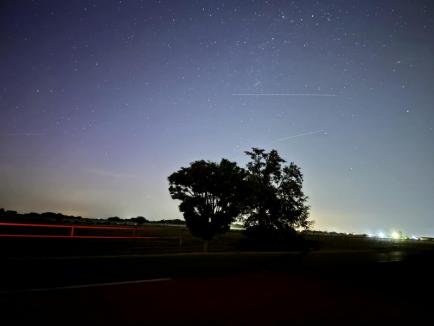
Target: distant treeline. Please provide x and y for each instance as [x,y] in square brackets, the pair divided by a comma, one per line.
[333,233]
[50,217]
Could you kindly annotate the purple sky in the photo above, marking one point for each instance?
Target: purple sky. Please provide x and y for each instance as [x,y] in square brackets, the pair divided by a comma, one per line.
[101,100]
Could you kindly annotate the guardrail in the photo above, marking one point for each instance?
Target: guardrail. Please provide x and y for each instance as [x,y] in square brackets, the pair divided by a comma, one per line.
[71,231]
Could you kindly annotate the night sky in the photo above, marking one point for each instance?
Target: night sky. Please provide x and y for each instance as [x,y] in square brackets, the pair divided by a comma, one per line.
[101,100]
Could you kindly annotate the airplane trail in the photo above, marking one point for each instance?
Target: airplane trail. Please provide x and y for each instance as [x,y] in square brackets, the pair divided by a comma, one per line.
[285,94]
[301,135]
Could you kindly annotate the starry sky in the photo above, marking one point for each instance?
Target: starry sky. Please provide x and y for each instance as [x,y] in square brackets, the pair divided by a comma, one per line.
[101,100]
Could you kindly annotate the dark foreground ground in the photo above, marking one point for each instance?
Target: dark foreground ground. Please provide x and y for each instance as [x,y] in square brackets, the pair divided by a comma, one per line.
[328,287]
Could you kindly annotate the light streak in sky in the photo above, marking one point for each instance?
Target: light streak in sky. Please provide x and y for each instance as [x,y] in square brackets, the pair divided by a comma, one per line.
[284,94]
[302,135]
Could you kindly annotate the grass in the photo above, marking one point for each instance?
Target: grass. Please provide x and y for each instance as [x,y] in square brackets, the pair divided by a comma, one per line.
[164,239]
[344,267]
[174,239]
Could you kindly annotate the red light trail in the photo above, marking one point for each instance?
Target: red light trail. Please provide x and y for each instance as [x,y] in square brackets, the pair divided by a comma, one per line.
[72,229]
[75,236]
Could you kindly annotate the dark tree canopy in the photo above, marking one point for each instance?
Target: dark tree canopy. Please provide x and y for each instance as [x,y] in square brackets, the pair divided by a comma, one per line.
[267,196]
[139,220]
[114,219]
[211,195]
[277,204]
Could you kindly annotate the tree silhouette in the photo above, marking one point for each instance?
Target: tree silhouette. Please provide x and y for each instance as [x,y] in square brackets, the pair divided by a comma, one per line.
[277,204]
[139,220]
[211,196]
[114,219]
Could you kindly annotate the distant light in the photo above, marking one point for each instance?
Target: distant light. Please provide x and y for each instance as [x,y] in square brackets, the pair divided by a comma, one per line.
[370,235]
[413,237]
[395,235]
[381,235]
[236,226]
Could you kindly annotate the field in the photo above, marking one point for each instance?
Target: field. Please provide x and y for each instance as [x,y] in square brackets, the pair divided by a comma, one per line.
[166,279]
[339,287]
[156,239]
[160,239]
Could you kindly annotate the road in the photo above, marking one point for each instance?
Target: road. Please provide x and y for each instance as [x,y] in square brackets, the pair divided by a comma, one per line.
[338,288]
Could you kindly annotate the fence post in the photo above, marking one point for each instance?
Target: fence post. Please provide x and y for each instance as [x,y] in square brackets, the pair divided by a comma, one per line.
[72,231]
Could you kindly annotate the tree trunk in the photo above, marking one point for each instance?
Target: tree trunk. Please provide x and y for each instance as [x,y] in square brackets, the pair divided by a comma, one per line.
[205,245]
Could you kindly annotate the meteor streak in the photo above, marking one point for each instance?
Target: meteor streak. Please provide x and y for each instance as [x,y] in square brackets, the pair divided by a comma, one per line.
[284,94]
[301,135]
